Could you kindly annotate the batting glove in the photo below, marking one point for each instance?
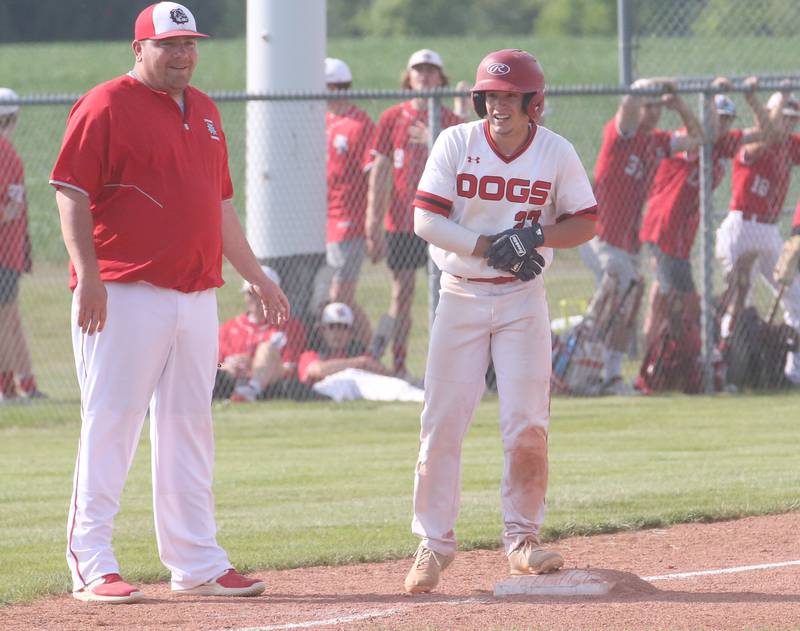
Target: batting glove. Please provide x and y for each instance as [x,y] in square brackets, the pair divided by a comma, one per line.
[513,246]
[529,267]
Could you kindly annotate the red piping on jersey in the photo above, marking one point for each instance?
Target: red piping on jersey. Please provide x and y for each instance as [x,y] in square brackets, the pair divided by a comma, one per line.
[586,213]
[433,203]
[531,135]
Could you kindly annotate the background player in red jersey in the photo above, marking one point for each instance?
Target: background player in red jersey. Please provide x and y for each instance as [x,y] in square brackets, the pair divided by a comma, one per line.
[673,212]
[258,359]
[144,194]
[631,150]
[15,260]
[493,192]
[760,182]
[400,150]
[349,132]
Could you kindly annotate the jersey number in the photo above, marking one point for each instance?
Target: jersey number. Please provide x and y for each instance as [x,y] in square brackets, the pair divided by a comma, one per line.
[634,166]
[522,216]
[760,186]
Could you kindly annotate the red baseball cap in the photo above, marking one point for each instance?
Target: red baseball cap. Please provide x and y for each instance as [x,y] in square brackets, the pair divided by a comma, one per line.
[165,19]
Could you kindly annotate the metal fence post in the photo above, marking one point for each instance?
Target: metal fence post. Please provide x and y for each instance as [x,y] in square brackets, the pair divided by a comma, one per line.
[434,273]
[624,35]
[706,243]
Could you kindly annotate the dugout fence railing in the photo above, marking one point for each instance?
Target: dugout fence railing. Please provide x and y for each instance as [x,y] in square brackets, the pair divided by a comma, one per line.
[577,112]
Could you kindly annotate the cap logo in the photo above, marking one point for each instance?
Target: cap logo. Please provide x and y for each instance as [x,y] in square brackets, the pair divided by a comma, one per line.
[178,16]
[498,69]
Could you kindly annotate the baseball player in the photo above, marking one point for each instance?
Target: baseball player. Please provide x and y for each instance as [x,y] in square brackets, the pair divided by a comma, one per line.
[760,181]
[144,194]
[257,360]
[340,348]
[399,152]
[630,152]
[15,260]
[497,195]
[673,211]
[349,130]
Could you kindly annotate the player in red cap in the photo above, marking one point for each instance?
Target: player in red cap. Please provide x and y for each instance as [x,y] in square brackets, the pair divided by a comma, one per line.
[144,195]
[631,150]
[496,197]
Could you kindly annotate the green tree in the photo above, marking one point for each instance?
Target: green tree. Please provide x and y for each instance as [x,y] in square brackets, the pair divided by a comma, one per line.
[577,17]
[758,17]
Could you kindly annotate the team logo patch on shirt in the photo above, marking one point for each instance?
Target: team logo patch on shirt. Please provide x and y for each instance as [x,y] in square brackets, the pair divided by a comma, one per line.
[178,16]
[212,130]
[476,159]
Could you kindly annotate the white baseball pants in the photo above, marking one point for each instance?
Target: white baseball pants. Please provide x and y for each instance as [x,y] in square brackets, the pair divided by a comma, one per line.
[475,321]
[737,236]
[158,349]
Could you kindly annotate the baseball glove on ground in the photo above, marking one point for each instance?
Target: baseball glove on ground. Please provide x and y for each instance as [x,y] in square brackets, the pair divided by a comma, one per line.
[513,246]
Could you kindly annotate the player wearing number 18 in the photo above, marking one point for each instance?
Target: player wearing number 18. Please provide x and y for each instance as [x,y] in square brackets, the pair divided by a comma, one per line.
[496,196]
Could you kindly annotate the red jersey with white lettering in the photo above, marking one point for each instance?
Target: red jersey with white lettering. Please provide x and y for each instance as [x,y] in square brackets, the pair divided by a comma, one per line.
[240,336]
[15,246]
[673,208]
[760,186]
[469,181]
[622,175]
[155,178]
[408,158]
[349,140]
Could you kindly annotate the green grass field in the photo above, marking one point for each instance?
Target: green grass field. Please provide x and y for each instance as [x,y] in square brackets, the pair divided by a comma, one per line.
[315,483]
[328,484]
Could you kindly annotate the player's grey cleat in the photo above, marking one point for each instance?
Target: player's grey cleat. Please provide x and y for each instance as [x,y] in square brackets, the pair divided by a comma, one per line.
[424,574]
[530,558]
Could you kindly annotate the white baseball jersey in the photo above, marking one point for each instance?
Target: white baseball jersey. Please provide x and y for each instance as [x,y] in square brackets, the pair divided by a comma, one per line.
[468,180]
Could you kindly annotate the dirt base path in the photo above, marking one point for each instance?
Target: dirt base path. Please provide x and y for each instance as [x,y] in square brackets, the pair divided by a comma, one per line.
[727,589]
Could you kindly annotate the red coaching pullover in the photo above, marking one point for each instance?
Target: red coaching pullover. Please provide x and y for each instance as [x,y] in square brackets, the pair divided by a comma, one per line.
[155,178]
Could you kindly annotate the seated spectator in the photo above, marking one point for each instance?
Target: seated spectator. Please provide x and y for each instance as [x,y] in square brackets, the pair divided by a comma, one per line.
[338,348]
[257,360]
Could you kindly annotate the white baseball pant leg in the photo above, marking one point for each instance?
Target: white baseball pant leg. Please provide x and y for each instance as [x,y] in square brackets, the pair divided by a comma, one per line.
[736,237]
[474,321]
[152,337]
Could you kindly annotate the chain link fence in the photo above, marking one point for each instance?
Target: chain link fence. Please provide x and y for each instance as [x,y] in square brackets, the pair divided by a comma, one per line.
[706,38]
[583,309]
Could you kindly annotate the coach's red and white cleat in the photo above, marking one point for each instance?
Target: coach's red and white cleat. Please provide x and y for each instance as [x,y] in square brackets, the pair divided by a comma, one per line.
[109,588]
[231,583]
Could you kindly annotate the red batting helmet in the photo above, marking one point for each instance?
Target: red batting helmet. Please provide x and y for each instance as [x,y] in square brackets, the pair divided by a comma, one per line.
[510,70]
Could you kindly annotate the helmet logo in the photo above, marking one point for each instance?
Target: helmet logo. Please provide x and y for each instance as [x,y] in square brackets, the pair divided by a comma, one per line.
[498,69]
